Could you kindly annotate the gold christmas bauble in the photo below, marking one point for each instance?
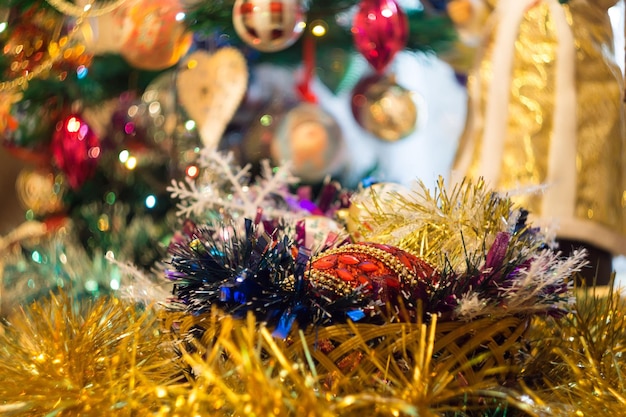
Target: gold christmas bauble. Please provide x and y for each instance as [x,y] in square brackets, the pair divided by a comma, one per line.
[41,191]
[384,108]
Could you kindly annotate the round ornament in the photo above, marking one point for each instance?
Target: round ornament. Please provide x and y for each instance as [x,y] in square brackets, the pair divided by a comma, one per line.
[384,108]
[158,38]
[269,25]
[366,204]
[380,29]
[75,150]
[312,141]
[381,273]
[41,191]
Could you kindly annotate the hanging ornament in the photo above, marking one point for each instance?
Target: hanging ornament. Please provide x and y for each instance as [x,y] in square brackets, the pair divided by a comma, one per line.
[41,191]
[269,25]
[210,88]
[75,149]
[380,29]
[384,108]
[28,44]
[158,37]
[312,141]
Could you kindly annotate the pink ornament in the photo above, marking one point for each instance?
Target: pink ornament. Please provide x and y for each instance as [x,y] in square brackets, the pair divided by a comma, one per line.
[75,149]
[380,30]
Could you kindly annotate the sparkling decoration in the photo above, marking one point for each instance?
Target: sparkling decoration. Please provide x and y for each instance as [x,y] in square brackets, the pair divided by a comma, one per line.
[41,191]
[312,140]
[384,108]
[379,197]
[225,190]
[210,88]
[29,43]
[269,25]
[367,362]
[381,272]
[579,360]
[158,37]
[380,30]
[69,357]
[39,43]
[75,149]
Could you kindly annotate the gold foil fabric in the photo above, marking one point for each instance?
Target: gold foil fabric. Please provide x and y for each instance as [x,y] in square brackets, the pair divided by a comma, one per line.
[599,116]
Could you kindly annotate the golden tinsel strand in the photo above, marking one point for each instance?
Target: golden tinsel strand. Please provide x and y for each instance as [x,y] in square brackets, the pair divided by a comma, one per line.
[578,362]
[397,369]
[65,357]
[450,223]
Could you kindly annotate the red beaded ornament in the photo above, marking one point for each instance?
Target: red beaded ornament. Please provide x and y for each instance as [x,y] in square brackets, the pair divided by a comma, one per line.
[381,272]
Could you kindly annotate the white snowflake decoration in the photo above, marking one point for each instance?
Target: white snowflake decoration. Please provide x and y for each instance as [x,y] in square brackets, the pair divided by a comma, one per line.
[224,190]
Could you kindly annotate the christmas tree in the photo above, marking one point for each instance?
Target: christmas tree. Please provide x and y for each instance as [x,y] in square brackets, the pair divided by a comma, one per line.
[202,237]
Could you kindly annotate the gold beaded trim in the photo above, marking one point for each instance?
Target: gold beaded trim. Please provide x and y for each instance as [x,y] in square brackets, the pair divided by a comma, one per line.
[329,282]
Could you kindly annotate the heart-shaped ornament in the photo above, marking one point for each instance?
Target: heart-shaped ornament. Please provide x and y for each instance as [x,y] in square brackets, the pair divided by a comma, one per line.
[210,89]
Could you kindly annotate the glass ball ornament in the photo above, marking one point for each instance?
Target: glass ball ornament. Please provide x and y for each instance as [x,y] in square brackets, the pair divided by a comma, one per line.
[75,150]
[384,108]
[269,25]
[311,140]
[158,37]
[380,29]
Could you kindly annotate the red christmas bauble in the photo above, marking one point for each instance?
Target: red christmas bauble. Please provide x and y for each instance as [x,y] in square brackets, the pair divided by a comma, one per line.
[75,150]
[382,272]
[380,30]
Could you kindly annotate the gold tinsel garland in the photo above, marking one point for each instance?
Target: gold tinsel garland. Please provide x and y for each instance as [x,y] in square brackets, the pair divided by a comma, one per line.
[577,364]
[66,357]
[440,226]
